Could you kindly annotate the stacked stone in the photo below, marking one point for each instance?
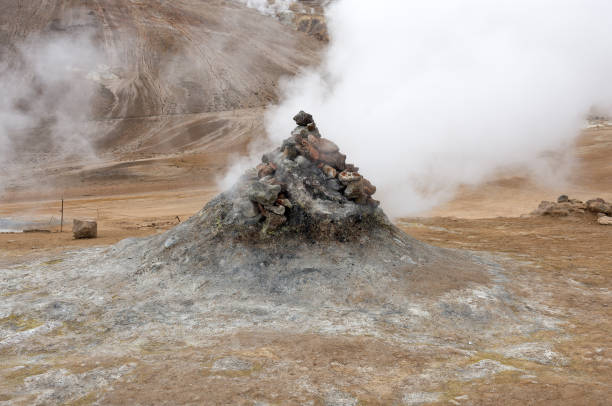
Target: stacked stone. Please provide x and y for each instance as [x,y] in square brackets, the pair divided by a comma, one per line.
[267,193]
[307,149]
[306,143]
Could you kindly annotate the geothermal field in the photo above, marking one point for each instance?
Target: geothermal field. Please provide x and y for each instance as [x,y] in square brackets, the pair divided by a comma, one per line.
[291,202]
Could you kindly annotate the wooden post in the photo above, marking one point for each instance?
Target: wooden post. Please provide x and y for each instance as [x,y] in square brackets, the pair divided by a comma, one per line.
[62,219]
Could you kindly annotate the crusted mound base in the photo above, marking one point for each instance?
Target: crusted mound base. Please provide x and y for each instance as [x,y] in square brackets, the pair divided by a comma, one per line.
[299,229]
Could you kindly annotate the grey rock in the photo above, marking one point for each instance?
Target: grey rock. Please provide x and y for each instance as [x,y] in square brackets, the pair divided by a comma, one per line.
[303,118]
[248,209]
[562,199]
[303,162]
[334,184]
[263,193]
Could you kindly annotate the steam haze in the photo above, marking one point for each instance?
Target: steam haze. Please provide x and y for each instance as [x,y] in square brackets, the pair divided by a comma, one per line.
[47,93]
[426,96]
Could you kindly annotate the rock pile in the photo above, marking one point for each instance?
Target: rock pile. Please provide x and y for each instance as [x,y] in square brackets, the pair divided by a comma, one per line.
[300,229]
[318,162]
[564,206]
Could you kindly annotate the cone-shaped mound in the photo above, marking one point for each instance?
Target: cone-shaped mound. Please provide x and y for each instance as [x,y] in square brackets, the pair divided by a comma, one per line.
[304,224]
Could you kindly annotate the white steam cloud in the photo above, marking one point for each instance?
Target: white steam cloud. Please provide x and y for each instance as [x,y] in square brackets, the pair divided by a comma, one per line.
[45,101]
[427,95]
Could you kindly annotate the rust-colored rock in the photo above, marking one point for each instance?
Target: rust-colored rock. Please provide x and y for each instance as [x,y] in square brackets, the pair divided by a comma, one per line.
[323,145]
[368,188]
[329,171]
[346,177]
[265,169]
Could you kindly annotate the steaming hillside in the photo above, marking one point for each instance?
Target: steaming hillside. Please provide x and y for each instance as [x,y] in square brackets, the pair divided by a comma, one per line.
[158,60]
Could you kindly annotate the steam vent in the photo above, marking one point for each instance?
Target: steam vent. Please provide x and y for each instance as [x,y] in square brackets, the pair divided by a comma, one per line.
[302,225]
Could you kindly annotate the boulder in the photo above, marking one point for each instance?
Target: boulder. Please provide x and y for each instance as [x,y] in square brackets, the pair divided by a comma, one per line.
[562,199]
[263,193]
[599,205]
[84,229]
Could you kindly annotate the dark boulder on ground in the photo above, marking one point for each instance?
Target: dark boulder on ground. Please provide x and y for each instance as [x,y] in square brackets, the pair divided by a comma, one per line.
[84,229]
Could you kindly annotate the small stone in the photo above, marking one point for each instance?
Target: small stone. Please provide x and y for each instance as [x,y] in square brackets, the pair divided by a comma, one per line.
[368,188]
[351,168]
[265,170]
[335,159]
[562,199]
[280,210]
[263,193]
[354,190]
[329,171]
[303,118]
[312,128]
[372,202]
[285,202]
[323,145]
[605,221]
[290,152]
[84,229]
[300,132]
[346,177]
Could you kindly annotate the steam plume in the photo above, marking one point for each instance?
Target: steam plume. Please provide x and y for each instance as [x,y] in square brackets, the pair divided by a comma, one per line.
[427,95]
[47,93]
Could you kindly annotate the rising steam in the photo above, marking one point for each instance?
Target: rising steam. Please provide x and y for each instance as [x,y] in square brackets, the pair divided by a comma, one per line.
[47,93]
[427,95]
